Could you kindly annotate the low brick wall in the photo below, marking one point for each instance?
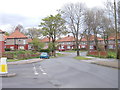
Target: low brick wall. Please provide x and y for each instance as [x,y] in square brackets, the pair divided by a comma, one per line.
[23,56]
[20,56]
[98,53]
[9,56]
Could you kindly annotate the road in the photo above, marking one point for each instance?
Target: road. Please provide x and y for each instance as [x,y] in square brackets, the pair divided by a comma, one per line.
[61,72]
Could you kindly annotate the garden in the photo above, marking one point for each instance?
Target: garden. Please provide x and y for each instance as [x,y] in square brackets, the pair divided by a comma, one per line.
[21,55]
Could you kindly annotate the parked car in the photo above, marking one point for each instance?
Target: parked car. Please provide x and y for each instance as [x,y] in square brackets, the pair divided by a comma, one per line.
[61,49]
[44,55]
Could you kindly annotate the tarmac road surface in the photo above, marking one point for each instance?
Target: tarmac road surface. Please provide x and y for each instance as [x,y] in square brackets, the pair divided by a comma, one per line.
[61,72]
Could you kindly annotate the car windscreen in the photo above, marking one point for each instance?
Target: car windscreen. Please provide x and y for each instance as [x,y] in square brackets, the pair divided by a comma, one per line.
[43,54]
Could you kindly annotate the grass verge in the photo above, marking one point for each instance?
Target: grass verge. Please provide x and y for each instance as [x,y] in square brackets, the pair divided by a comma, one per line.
[14,60]
[81,58]
[70,51]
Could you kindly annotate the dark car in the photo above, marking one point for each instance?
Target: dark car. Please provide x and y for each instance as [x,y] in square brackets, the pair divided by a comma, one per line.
[44,55]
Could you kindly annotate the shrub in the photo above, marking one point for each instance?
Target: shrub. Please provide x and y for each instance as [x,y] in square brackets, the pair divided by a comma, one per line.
[111,55]
[7,49]
[45,50]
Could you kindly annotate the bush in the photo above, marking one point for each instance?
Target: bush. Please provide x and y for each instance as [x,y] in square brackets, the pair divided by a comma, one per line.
[7,49]
[111,55]
[45,50]
[75,49]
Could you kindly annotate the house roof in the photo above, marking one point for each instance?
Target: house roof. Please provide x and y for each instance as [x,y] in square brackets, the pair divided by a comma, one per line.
[5,37]
[113,36]
[17,34]
[2,31]
[66,39]
[83,39]
[91,38]
[29,40]
[46,39]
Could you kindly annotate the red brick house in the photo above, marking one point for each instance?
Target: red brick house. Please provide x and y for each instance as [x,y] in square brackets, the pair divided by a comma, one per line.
[66,43]
[112,42]
[2,45]
[83,43]
[17,41]
[30,46]
[46,40]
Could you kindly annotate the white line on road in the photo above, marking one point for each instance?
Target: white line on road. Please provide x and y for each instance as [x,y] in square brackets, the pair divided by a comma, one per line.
[35,70]
[41,69]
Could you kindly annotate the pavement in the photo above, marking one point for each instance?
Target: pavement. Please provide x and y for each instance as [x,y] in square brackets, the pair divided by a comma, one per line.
[114,63]
[61,72]
[25,61]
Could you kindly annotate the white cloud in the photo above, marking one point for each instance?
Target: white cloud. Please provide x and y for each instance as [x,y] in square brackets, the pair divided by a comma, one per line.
[30,12]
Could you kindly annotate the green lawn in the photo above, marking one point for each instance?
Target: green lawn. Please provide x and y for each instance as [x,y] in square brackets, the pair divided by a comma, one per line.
[111,54]
[59,54]
[81,58]
[70,51]
[13,60]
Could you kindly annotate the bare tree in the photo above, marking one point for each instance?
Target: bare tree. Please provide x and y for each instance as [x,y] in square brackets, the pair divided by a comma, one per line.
[73,14]
[106,29]
[118,11]
[96,13]
[33,33]
[88,25]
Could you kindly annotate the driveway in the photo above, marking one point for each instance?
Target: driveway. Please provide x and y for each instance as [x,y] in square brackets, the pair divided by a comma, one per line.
[61,72]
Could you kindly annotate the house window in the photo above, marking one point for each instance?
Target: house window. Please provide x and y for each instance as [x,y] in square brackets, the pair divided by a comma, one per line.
[91,47]
[118,41]
[21,47]
[24,41]
[83,47]
[110,46]
[12,47]
[68,47]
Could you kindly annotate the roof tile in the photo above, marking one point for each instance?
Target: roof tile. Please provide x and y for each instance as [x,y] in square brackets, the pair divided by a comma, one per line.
[17,34]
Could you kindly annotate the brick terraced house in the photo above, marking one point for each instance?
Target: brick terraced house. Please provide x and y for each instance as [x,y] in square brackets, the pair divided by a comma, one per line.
[66,43]
[17,41]
[83,43]
[46,40]
[2,45]
[112,42]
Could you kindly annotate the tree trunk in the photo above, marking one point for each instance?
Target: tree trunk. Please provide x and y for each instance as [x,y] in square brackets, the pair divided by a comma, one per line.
[118,53]
[88,41]
[95,39]
[77,45]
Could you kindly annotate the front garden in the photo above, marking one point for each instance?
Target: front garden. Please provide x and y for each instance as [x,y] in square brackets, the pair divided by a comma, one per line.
[21,55]
[13,56]
[102,54]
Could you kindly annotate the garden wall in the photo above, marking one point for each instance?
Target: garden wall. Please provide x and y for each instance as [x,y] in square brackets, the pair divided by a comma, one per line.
[20,56]
[98,53]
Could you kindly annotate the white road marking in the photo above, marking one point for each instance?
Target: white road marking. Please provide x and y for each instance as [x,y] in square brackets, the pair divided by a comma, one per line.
[35,70]
[51,80]
[41,69]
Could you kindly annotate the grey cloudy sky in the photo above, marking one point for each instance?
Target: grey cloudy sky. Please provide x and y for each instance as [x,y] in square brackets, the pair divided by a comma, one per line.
[30,12]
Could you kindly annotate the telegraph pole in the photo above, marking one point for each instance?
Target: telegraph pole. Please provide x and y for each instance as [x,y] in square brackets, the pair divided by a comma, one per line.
[116,36]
